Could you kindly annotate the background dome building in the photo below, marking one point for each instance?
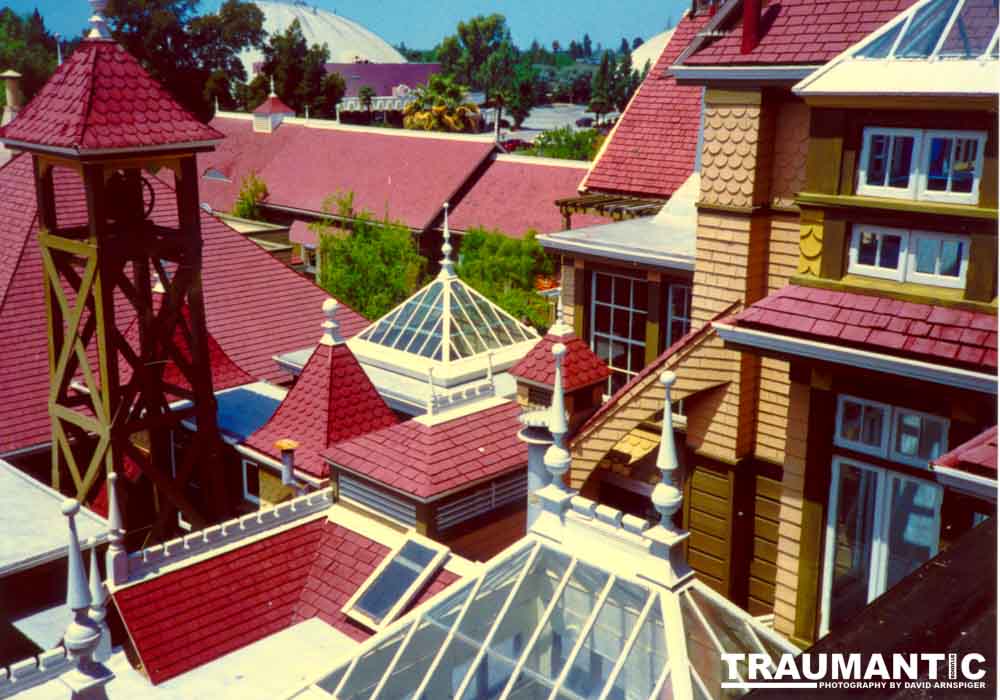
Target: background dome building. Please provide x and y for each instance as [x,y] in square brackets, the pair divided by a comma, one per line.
[348,41]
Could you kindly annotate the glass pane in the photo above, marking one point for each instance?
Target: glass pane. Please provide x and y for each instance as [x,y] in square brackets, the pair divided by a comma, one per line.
[490,598]
[638,327]
[867,248]
[913,526]
[489,679]
[878,152]
[964,168]
[414,661]
[620,323]
[603,288]
[551,650]
[617,380]
[615,622]
[623,291]
[926,255]
[925,29]
[972,31]
[619,356]
[416,553]
[330,682]
[880,47]
[679,300]
[853,531]
[369,669]
[529,687]
[645,661]
[703,654]
[940,163]
[639,293]
[889,254]
[902,160]
[602,318]
[920,437]
[637,358]
[729,628]
[387,589]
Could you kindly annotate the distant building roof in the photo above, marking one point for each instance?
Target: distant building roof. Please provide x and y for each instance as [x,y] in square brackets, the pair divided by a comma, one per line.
[255,306]
[937,334]
[99,100]
[651,150]
[382,77]
[518,193]
[428,456]
[791,32]
[403,175]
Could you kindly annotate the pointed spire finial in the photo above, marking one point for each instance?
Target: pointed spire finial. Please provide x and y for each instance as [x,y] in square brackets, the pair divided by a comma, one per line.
[273,93]
[560,328]
[81,635]
[557,457]
[216,104]
[98,25]
[667,497]
[331,326]
[98,608]
[447,266]
[116,558]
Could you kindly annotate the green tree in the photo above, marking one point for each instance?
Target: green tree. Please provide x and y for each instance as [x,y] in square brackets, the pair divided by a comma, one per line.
[366,95]
[504,269]
[567,144]
[195,57]
[522,98]
[637,42]
[27,47]
[496,76]
[623,48]
[299,72]
[253,191]
[441,106]
[588,48]
[602,88]
[373,267]
[626,82]
[480,37]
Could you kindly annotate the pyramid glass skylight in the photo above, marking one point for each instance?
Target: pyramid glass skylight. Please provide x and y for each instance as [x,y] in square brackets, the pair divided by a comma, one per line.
[537,622]
[962,29]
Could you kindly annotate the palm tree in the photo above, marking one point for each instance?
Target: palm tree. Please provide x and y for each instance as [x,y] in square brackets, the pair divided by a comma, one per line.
[440,106]
[367,95]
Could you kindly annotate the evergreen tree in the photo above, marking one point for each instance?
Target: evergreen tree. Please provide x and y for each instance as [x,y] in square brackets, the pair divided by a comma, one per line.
[299,73]
[588,49]
[623,48]
[637,42]
[602,88]
[27,47]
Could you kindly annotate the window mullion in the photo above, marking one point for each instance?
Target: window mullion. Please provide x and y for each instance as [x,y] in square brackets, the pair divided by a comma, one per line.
[880,532]
[627,647]
[584,634]
[947,30]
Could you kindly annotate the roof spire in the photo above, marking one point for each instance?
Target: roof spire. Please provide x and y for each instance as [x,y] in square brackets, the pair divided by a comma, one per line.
[273,93]
[557,457]
[667,497]
[447,266]
[331,327]
[99,27]
[560,328]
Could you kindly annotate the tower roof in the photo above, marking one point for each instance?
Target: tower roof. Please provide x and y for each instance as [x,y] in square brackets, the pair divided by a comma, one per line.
[332,400]
[102,101]
[580,366]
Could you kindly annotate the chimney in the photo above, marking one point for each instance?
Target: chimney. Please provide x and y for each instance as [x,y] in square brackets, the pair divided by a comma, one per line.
[14,99]
[751,25]
[287,448]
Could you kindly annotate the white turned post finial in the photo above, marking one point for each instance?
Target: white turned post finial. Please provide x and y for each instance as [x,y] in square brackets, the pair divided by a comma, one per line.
[116,558]
[489,366]
[331,326]
[560,328]
[98,24]
[82,635]
[98,608]
[557,457]
[447,265]
[667,497]
[273,93]
[431,398]
[307,112]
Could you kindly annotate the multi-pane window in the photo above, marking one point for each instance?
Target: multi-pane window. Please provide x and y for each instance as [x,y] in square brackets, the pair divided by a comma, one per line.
[881,525]
[900,434]
[679,312]
[941,166]
[913,256]
[618,324]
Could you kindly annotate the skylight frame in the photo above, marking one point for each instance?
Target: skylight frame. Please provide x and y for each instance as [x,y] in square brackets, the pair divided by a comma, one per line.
[903,22]
[351,609]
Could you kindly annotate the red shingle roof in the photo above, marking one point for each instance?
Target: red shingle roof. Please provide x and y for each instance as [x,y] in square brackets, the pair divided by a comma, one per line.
[343,561]
[795,31]
[976,455]
[255,306]
[652,149]
[920,331]
[514,197]
[274,105]
[427,460]
[332,400]
[406,177]
[100,98]
[194,615]
[580,368]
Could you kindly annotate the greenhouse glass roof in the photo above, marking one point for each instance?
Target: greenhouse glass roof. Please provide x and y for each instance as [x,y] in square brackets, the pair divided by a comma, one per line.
[538,622]
[935,47]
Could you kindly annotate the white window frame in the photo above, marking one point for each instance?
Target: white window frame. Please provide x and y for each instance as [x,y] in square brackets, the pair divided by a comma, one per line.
[247,496]
[877,549]
[971,197]
[898,273]
[629,371]
[908,459]
[440,552]
[686,289]
[864,188]
[911,274]
[840,441]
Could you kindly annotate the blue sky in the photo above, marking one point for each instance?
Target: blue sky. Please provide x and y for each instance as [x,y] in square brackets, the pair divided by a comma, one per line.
[423,24]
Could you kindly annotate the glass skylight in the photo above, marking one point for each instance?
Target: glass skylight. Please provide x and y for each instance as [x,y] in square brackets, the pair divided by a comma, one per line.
[393,584]
[963,29]
[537,622]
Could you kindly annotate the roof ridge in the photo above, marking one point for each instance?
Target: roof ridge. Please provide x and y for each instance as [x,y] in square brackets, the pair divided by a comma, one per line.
[89,107]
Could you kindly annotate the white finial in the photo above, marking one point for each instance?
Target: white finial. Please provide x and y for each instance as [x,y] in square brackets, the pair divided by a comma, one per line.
[667,497]
[331,327]
[560,328]
[98,608]
[273,93]
[447,266]
[557,457]
[489,366]
[99,27]
[82,636]
[307,112]
[216,104]
[116,558]
[430,391]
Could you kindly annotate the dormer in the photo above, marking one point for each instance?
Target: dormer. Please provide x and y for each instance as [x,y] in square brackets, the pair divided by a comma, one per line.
[269,115]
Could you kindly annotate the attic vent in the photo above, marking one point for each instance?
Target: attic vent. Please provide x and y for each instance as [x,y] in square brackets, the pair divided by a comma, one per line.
[215,174]
[360,492]
[496,494]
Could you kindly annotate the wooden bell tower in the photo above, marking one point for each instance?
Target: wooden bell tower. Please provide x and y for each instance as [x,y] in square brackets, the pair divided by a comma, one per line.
[97,131]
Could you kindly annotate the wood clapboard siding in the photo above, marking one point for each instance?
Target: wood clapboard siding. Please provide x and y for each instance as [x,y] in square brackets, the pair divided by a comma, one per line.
[709,520]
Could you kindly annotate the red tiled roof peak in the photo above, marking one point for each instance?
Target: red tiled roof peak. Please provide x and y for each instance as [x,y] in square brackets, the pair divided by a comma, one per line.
[274,105]
[976,455]
[580,366]
[102,99]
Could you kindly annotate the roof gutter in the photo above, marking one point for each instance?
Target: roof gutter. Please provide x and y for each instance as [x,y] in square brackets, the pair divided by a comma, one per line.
[751,74]
[862,359]
[674,262]
[966,482]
